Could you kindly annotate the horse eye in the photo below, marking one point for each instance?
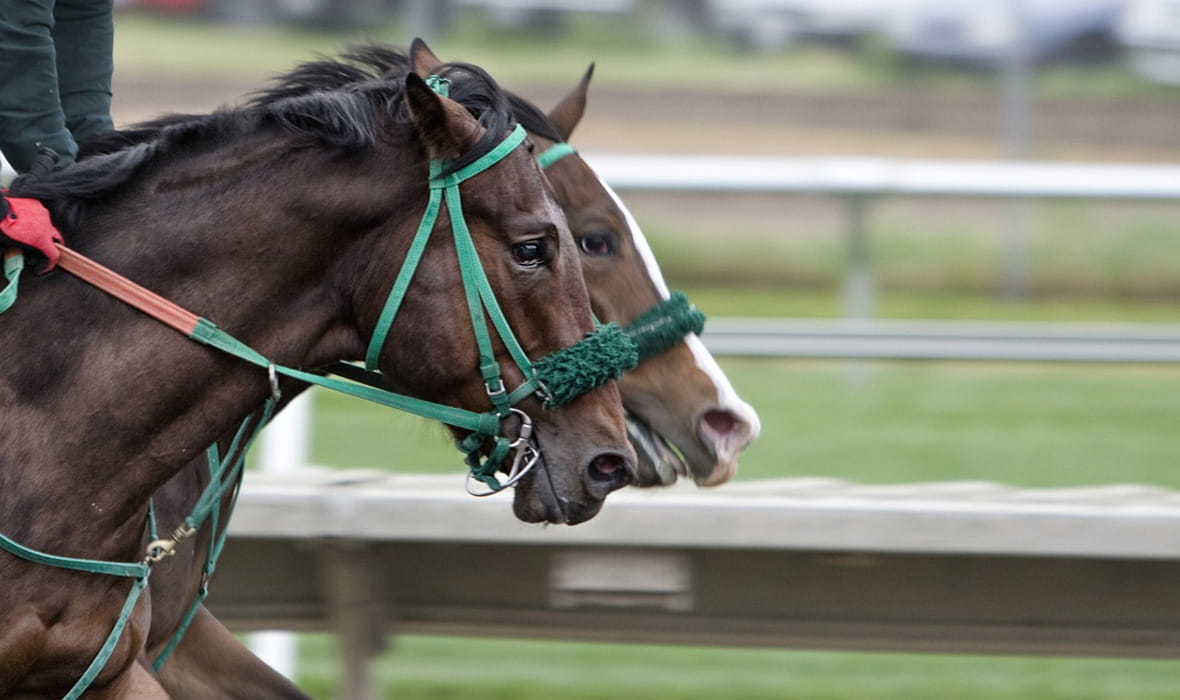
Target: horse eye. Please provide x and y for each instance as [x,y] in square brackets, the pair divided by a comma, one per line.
[530,253]
[597,244]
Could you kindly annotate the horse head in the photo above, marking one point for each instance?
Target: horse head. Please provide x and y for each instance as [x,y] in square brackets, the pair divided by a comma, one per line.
[683,415]
[529,257]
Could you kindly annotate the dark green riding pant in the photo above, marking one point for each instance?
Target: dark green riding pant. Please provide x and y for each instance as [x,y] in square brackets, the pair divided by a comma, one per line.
[55,76]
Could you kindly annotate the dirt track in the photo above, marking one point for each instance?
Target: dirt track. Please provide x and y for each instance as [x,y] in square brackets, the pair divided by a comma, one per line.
[784,124]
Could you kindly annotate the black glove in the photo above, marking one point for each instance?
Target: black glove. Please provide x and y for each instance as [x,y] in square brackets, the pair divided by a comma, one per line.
[44,164]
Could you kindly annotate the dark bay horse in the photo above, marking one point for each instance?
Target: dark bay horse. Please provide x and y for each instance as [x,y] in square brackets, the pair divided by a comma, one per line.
[286,226]
[682,391]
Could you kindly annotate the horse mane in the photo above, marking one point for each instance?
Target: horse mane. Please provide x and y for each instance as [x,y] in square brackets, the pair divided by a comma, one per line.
[330,103]
[373,62]
[356,64]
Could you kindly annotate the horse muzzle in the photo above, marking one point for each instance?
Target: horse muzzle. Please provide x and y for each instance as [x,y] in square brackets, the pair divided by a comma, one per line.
[547,494]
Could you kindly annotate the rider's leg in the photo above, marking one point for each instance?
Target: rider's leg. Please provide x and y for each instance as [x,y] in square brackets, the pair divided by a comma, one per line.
[31,116]
[84,36]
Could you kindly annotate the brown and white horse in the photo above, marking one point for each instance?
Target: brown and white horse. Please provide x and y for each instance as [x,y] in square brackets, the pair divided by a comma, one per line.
[684,417]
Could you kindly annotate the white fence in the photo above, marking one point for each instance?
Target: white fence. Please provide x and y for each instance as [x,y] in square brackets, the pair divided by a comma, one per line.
[809,563]
[861,176]
[855,182]
[864,339]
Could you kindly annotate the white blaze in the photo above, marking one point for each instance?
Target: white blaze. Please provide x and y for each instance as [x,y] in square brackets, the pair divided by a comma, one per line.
[727,397]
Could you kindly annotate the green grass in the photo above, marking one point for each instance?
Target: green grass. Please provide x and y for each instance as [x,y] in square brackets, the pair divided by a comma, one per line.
[145,43]
[429,668]
[1031,426]
[1112,260]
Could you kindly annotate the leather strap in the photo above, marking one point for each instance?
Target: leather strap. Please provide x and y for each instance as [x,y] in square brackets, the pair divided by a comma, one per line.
[125,290]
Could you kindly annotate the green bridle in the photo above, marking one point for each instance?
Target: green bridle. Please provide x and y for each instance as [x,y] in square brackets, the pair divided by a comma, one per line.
[604,354]
[611,350]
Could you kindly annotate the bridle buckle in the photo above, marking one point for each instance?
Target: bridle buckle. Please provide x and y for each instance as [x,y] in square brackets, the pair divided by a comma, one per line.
[499,393]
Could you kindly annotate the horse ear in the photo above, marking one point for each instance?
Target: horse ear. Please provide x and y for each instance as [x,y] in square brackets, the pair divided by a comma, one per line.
[566,115]
[444,126]
[422,59]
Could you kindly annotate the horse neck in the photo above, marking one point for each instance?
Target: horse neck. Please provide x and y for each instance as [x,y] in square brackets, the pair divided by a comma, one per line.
[105,404]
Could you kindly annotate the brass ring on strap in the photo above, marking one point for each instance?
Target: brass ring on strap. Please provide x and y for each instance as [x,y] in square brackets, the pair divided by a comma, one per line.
[158,550]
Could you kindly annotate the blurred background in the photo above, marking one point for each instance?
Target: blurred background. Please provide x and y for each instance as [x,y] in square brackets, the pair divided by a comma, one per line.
[1064,81]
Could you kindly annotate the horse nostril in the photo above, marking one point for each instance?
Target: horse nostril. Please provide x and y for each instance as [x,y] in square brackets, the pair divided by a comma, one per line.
[721,422]
[725,432]
[609,467]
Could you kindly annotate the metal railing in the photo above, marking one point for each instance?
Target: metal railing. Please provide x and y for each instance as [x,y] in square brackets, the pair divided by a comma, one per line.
[944,340]
[856,182]
[864,176]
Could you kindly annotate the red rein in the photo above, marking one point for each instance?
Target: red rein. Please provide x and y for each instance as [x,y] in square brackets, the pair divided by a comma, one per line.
[28,223]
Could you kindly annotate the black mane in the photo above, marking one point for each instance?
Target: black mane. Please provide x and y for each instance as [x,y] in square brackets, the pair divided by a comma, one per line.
[373,62]
[328,103]
[357,64]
